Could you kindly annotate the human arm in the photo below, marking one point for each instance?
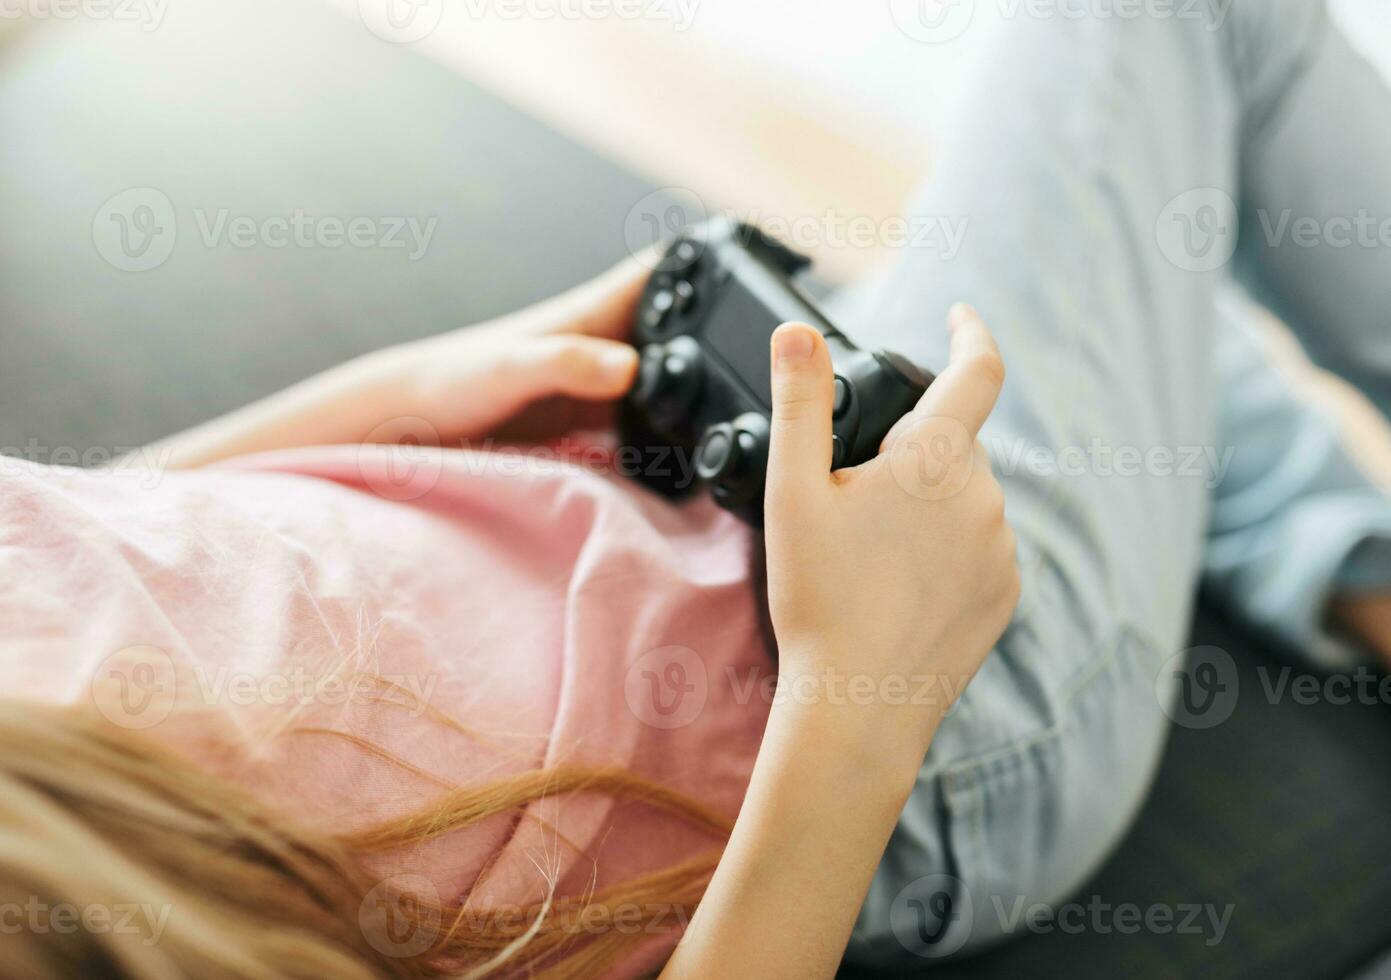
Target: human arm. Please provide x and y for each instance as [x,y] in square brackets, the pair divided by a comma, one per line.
[459,385]
[857,589]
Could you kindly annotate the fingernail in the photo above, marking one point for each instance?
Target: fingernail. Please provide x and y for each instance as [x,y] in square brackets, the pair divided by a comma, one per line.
[791,344]
[618,361]
[960,313]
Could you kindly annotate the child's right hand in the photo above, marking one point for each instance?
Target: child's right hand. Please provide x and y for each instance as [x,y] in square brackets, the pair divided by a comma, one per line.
[898,570]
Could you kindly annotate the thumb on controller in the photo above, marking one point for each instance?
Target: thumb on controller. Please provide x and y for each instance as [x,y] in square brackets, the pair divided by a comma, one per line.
[591,368]
[803,385]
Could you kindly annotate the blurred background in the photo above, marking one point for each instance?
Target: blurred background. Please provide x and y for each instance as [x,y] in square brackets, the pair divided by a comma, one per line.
[778,109]
[202,201]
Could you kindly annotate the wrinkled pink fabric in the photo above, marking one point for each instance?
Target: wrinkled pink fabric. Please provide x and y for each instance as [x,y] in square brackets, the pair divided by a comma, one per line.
[558,613]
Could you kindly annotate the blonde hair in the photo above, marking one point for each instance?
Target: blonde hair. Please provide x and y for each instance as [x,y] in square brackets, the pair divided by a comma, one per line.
[93,817]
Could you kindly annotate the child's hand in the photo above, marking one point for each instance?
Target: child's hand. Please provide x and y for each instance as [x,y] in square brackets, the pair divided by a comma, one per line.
[899,569]
[468,383]
[462,385]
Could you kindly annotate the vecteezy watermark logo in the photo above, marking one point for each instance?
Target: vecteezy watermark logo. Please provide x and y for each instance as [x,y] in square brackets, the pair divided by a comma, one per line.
[939,21]
[1197,231]
[1363,686]
[302,687]
[665,214]
[1198,688]
[933,458]
[1103,459]
[37,918]
[1103,918]
[300,229]
[400,917]
[400,459]
[932,916]
[933,21]
[135,230]
[680,14]
[832,229]
[1362,230]
[829,686]
[674,466]
[401,21]
[136,687]
[149,14]
[658,218]
[147,464]
[667,687]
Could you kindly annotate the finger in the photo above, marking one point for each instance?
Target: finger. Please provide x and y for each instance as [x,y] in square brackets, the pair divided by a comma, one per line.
[969,387]
[612,300]
[803,392]
[591,368]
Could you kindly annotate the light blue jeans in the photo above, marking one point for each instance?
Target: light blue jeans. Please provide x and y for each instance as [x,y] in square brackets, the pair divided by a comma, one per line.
[1103,166]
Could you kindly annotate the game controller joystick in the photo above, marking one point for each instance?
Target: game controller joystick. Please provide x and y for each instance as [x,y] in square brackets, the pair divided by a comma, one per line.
[702,401]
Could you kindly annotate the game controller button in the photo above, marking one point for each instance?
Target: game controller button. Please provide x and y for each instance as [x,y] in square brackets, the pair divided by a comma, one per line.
[837,452]
[685,295]
[842,402]
[718,453]
[683,256]
[661,304]
[685,365]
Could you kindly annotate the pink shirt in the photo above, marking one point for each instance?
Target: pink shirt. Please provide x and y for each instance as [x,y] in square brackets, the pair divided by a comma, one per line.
[558,613]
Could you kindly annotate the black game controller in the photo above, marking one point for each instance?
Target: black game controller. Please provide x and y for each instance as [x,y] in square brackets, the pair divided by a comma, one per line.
[702,399]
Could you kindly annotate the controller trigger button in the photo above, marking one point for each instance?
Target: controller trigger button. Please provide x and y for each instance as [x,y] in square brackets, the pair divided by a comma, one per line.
[903,369]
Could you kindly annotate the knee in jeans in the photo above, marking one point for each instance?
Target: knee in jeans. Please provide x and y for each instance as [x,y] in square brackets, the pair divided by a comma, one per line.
[986,841]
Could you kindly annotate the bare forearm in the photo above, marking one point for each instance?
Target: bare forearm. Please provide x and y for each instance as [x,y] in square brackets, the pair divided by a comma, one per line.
[454,386]
[827,790]
[850,599]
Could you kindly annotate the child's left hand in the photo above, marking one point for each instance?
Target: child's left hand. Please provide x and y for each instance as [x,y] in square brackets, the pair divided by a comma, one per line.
[567,359]
[446,390]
